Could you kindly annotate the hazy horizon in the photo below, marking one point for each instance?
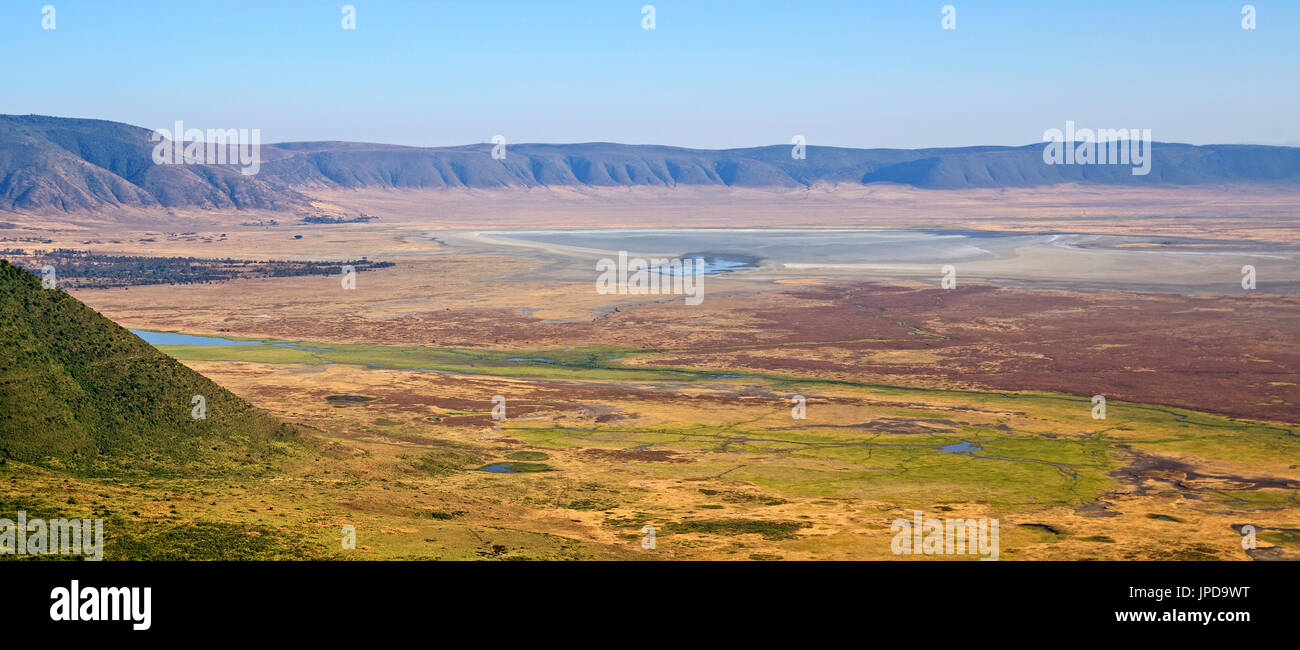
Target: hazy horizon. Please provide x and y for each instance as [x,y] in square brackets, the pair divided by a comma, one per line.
[647,144]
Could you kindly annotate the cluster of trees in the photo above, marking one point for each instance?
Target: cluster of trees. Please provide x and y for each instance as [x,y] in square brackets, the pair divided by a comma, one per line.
[84,269]
[321,218]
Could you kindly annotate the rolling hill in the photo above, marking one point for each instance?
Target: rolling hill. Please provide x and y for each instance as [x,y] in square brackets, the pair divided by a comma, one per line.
[80,393]
[72,165]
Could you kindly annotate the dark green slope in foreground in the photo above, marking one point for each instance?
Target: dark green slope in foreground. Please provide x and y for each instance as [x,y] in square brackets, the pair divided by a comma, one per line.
[79,392]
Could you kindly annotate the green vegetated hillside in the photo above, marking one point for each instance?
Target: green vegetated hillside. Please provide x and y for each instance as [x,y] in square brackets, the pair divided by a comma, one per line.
[79,392]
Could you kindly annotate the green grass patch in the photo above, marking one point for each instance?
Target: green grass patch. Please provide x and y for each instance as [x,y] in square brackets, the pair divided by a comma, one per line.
[528,455]
[769,530]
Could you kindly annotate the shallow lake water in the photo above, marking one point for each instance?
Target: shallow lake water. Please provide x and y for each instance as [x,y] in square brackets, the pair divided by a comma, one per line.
[738,248]
[172,338]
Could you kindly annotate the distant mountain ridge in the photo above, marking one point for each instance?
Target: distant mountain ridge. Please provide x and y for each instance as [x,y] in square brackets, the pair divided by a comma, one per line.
[71,165]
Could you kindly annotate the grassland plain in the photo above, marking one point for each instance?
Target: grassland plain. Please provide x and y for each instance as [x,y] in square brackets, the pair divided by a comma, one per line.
[99,424]
[629,413]
[717,464]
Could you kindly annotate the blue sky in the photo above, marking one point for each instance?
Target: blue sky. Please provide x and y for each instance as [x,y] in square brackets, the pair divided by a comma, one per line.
[864,73]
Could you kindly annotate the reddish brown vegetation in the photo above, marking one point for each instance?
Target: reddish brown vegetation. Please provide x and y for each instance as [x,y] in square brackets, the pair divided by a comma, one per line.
[1234,355]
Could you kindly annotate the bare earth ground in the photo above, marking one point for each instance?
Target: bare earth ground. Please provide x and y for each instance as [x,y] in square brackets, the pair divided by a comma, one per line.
[682,418]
